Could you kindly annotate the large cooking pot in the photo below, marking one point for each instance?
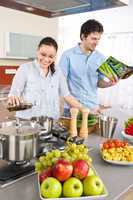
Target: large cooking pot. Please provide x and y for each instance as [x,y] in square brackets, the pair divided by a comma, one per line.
[18,142]
[45,126]
[44,122]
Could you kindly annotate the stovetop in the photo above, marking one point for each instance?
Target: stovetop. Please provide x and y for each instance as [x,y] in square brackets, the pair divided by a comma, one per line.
[12,172]
[57,139]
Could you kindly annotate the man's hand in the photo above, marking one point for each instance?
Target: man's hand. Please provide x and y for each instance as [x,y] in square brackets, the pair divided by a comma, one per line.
[96,111]
[84,109]
[104,84]
[114,81]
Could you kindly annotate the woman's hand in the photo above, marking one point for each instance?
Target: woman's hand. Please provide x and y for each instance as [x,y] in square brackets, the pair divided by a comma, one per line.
[14,100]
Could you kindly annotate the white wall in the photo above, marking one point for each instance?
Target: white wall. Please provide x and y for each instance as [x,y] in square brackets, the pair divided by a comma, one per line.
[114,20]
[22,22]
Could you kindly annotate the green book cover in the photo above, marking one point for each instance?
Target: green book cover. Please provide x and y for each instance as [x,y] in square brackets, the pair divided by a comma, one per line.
[113,68]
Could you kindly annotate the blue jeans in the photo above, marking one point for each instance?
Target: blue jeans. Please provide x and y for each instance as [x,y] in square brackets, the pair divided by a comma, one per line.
[67,112]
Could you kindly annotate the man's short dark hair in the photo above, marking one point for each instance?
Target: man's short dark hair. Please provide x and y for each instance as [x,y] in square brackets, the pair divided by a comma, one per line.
[91,26]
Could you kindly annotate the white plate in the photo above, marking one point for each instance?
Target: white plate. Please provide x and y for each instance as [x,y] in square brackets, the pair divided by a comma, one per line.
[119,162]
[126,136]
[115,162]
[105,194]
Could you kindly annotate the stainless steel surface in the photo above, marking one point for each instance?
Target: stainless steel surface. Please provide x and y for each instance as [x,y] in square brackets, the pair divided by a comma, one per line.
[18,142]
[13,172]
[107,126]
[45,123]
[117,179]
[16,180]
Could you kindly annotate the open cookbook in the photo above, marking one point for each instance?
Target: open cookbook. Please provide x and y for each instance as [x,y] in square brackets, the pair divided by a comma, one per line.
[113,68]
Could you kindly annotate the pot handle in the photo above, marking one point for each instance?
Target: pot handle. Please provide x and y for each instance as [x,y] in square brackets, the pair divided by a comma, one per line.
[2,139]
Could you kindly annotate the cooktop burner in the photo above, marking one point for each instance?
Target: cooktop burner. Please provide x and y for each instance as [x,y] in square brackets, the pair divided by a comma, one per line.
[58,140]
[10,172]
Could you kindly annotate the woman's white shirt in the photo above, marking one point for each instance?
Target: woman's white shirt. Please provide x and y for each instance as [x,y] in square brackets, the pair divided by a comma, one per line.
[40,90]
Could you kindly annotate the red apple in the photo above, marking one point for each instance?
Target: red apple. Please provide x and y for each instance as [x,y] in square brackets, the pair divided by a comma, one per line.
[62,170]
[80,169]
[44,174]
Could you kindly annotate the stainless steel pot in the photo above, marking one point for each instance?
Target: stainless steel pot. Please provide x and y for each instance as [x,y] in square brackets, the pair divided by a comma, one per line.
[18,142]
[45,124]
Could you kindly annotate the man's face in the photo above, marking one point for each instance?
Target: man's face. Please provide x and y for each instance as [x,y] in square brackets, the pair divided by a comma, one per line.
[91,41]
[46,55]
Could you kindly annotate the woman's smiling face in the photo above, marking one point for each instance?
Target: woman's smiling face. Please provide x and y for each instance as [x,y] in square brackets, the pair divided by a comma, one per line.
[46,55]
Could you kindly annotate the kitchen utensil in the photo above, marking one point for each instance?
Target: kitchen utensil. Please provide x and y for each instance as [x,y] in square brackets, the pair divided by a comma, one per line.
[45,123]
[84,124]
[18,142]
[107,126]
[21,106]
[73,122]
[76,140]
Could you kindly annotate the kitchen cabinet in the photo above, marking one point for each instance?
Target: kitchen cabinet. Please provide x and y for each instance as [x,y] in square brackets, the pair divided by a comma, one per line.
[18,46]
[6,74]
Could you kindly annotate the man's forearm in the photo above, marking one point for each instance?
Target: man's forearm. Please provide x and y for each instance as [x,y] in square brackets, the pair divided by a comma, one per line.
[73,102]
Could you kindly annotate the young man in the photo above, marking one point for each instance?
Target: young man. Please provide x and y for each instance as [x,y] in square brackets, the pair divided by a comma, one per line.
[80,64]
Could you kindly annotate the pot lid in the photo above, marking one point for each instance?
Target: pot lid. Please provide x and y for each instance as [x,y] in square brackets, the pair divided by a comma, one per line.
[18,131]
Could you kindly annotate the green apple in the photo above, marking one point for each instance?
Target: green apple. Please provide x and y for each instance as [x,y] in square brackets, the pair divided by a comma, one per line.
[72,187]
[92,185]
[51,188]
[91,172]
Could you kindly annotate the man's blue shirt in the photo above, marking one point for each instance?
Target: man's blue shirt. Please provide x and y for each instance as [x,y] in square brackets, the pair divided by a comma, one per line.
[82,76]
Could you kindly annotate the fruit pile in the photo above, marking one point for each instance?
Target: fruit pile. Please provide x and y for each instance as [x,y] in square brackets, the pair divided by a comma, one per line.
[117,150]
[129,127]
[114,143]
[68,173]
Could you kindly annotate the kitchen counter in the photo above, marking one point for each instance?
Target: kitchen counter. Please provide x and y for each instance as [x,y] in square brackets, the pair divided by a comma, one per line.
[117,179]
[4,90]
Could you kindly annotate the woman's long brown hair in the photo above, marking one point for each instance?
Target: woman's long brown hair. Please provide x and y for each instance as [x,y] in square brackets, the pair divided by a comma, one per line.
[50,42]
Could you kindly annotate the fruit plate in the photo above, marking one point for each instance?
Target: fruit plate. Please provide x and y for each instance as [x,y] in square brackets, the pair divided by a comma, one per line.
[103,195]
[114,162]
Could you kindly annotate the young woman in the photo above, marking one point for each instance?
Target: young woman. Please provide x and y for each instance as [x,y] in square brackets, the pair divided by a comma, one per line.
[41,83]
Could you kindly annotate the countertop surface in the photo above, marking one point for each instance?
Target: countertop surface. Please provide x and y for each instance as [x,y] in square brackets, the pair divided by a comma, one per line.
[117,179]
[4,90]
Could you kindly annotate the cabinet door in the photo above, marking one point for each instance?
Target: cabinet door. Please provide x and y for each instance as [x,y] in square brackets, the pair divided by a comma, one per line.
[21,45]
[6,74]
